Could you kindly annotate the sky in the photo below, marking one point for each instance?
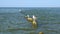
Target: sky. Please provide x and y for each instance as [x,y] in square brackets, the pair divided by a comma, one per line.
[29,3]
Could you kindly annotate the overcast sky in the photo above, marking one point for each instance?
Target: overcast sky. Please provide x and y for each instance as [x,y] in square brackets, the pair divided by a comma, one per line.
[29,3]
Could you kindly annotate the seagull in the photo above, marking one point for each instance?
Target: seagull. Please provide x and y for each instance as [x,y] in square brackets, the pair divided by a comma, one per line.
[32,20]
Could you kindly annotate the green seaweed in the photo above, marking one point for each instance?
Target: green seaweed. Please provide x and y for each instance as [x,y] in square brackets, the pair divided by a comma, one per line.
[25,29]
[32,32]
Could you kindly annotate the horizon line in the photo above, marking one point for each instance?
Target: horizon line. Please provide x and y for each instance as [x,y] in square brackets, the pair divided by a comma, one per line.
[12,6]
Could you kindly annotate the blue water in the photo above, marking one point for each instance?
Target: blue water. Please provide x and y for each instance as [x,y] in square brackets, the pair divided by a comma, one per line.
[12,18]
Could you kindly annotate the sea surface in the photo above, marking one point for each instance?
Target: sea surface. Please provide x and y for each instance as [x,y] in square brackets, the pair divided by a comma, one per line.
[13,21]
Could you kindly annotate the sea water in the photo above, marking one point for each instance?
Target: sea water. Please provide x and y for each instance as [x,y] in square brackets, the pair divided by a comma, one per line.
[13,21]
